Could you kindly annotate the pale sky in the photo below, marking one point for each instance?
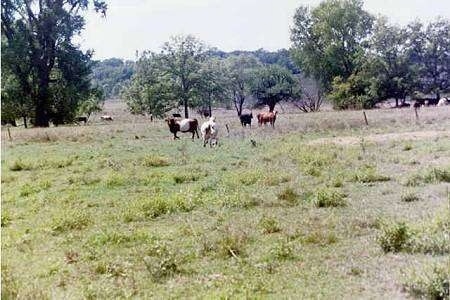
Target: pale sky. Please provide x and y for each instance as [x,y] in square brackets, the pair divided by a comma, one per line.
[132,25]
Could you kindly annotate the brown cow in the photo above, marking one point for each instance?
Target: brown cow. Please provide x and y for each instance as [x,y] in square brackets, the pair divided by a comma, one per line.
[267,117]
[185,125]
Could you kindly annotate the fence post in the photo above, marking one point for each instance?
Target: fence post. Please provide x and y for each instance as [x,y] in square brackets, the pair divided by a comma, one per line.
[417,114]
[365,118]
[9,133]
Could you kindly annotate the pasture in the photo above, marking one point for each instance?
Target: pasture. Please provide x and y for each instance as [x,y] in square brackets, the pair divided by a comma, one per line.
[322,207]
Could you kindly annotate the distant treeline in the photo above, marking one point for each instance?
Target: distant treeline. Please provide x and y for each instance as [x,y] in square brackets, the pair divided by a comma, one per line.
[113,74]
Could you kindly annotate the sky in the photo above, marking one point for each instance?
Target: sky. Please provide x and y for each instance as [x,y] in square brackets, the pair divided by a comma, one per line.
[132,25]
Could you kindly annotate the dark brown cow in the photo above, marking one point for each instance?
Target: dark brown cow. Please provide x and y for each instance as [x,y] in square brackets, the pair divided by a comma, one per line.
[185,125]
[267,117]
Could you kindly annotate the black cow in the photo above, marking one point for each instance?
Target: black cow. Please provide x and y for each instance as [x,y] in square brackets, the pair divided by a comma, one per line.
[246,119]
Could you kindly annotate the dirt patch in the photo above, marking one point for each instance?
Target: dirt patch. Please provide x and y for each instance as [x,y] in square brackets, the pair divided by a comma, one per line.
[380,138]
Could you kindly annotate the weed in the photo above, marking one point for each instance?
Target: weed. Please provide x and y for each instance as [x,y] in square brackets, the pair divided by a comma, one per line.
[329,198]
[162,267]
[368,174]
[407,147]
[20,165]
[6,218]
[437,175]
[395,237]
[154,161]
[185,177]
[74,220]
[320,238]
[269,225]
[289,195]
[283,250]
[431,284]
[232,243]
[409,197]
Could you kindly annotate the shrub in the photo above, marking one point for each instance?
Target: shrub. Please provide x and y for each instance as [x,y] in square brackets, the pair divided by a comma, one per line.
[432,284]
[154,161]
[320,238]
[330,198]
[395,237]
[288,195]
[6,218]
[269,225]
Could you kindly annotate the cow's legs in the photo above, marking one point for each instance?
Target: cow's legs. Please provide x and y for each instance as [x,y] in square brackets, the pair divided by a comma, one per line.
[196,131]
[175,136]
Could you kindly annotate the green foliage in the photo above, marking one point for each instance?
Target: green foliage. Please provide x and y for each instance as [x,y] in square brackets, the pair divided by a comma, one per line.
[329,198]
[155,161]
[289,195]
[111,75]
[353,93]
[47,73]
[273,84]
[368,174]
[283,250]
[432,283]
[75,220]
[92,104]
[329,39]
[395,237]
[269,225]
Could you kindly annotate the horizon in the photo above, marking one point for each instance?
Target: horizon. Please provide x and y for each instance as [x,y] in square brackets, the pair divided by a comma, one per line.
[225,25]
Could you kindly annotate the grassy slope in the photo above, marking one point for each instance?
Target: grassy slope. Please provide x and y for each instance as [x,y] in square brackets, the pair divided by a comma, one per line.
[95,212]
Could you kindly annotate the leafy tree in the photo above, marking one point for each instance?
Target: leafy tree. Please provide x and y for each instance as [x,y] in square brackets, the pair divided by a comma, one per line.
[241,72]
[39,53]
[213,86]
[389,62]
[150,90]
[329,39]
[181,60]
[430,54]
[273,84]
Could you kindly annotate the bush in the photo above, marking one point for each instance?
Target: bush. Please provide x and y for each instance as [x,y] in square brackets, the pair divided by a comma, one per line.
[395,237]
[329,198]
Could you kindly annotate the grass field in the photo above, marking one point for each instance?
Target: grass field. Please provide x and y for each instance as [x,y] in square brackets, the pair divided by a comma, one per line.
[323,207]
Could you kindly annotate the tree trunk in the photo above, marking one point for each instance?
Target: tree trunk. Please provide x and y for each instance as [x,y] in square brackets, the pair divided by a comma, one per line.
[41,101]
[271,106]
[396,102]
[186,110]
[25,121]
[438,95]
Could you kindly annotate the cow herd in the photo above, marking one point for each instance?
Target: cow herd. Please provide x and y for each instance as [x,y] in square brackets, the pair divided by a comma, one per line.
[210,129]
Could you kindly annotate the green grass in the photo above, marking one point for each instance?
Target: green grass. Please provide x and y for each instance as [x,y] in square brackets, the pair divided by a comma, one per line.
[91,212]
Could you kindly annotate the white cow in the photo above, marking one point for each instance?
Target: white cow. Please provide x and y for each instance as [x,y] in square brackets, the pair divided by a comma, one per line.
[210,132]
[443,102]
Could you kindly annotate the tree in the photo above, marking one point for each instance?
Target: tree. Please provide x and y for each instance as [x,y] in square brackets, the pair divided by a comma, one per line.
[353,92]
[430,54]
[150,89]
[38,51]
[329,39]
[93,104]
[389,63]
[241,71]
[213,83]
[273,84]
[181,60]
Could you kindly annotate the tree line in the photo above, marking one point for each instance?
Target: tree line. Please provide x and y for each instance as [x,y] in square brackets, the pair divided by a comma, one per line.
[354,58]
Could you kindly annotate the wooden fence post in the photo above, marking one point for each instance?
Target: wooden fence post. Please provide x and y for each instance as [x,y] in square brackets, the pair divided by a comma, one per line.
[417,114]
[9,133]
[365,118]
